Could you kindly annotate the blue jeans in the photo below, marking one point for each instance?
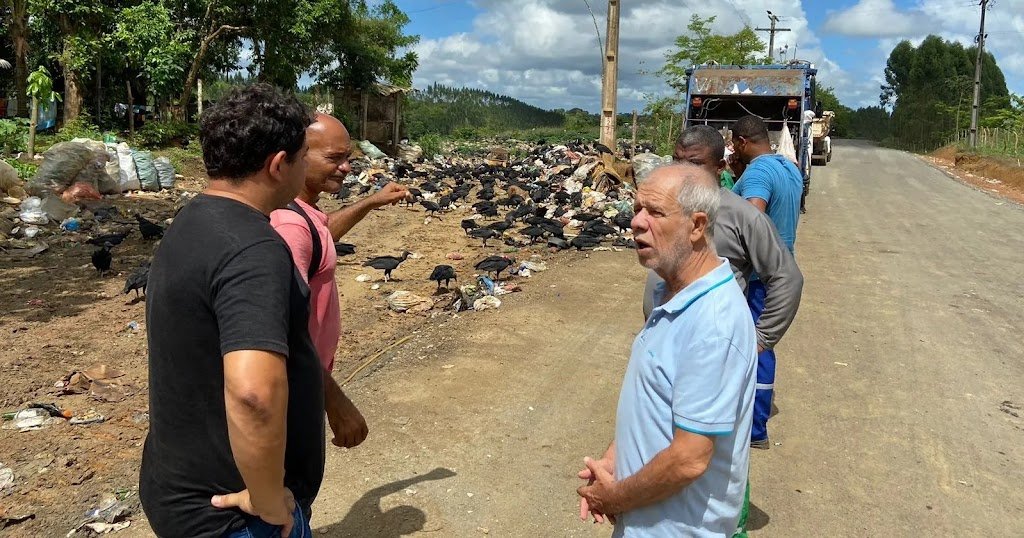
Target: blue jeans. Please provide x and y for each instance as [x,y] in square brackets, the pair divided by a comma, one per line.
[257,528]
[765,387]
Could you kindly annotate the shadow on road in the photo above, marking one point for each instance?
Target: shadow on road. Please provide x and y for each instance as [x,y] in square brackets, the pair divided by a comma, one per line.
[757,518]
[366,519]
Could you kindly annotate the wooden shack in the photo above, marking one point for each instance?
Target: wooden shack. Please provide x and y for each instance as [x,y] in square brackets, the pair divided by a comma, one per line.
[374,114]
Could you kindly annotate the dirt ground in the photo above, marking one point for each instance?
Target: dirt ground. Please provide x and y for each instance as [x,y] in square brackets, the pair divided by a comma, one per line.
[898,389]
[1003,176]
[61,317]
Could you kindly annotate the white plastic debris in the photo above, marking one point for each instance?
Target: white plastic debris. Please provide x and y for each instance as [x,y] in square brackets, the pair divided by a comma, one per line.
[488,301]
[401,301]
[534,266]
[364,278]
[6,477]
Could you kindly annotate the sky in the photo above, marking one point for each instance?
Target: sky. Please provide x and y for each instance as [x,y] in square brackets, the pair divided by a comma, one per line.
[546,53]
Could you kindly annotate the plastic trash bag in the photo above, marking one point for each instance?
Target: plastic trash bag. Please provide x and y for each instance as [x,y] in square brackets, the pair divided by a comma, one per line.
[32,211]
[786,148]
[64,164]
[370,150]
[56,209]
[148,176]
[129,178]
[164,172]
[78,192]
[645,163]
[410,152]
[113,169]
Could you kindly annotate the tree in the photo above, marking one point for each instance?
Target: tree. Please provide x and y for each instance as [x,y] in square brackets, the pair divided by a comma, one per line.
[80,26]
[927,88]
[700,45]
[370,51]
[146,38]
[212,26]
[18,30]
[39,88]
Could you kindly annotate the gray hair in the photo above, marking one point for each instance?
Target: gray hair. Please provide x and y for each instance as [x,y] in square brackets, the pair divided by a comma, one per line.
[699,192]
[705,137]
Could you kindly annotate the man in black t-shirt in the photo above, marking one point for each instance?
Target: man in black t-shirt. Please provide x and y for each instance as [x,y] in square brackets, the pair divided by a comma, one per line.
[236,440]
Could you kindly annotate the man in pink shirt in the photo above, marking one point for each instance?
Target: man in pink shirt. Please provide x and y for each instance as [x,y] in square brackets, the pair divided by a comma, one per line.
[327,161]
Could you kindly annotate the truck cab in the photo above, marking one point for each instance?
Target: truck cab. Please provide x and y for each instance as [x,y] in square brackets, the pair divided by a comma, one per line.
[782,95]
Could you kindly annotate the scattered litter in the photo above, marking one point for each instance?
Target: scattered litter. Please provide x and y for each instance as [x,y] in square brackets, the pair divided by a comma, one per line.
[104,528]
[401,301]
[454,256]
[32,212]
[375,287]
[109,509]
[486,284]
[95,381]
[70,224]
[10,521]
[534,266]
[841,363]
[90,417]
[448,366]
[30,420]
[364,278]
[370,150]
[133,326]
[486,302]
[6,478]
[31,231]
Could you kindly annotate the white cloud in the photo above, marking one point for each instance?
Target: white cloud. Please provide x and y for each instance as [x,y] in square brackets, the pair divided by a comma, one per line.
[545,51]
[953,20]
[875,18]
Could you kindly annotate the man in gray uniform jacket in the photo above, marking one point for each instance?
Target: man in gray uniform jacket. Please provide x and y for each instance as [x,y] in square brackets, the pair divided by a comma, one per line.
[747,238]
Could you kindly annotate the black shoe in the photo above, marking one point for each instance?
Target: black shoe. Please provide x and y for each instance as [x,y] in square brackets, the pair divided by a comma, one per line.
[762,444]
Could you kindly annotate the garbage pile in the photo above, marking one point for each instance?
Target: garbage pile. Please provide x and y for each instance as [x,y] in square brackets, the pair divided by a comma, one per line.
[548,198]
[67,193]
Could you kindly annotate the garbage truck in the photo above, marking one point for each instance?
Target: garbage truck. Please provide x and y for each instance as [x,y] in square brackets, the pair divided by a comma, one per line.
[821,131]
[782,95]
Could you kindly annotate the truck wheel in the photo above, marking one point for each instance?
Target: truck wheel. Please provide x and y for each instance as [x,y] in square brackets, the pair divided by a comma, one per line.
[828,158]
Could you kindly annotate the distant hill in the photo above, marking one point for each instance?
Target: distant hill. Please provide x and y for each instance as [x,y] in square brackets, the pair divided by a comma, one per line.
[445,110]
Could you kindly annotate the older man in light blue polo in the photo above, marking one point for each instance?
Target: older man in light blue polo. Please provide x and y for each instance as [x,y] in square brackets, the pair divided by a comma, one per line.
[678,464]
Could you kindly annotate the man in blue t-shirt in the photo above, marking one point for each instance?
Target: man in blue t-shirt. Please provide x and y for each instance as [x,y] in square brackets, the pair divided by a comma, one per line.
[773,184]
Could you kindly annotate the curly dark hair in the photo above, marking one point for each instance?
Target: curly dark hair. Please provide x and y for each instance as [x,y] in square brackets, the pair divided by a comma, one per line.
[241,130]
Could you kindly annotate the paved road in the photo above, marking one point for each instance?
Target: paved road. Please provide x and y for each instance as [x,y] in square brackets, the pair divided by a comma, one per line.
[899,386]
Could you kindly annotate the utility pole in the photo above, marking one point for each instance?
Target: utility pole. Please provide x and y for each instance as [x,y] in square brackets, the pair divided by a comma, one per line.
[977,76]
[771,34]
[610,78]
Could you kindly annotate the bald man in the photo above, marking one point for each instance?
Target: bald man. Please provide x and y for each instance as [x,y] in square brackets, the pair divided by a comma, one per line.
[678,463]
[327,164]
